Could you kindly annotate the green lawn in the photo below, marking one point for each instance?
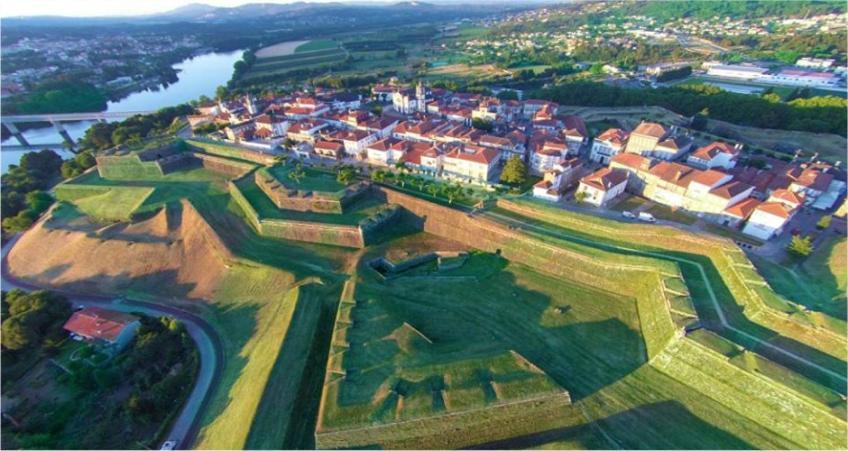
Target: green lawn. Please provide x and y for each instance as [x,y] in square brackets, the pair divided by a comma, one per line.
[726,282]
[486,333]
[362,208]
[313,180]
[320,44]
[817,283]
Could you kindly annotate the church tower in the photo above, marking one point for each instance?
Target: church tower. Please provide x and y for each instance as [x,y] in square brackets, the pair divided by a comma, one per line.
[421,97]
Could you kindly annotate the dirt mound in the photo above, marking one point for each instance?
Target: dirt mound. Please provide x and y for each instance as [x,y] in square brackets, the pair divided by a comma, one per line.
[175,250]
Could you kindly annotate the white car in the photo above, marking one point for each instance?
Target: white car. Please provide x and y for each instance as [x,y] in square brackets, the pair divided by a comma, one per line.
[628,215]
[647,217]
[169,445]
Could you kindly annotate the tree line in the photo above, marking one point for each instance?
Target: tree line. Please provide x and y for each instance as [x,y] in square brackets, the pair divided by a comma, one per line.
[824,114]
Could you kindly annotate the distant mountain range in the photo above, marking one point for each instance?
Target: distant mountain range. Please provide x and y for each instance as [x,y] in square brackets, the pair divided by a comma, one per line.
[203,13]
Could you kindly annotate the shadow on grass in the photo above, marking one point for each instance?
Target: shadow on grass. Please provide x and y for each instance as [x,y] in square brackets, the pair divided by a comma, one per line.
[681,430]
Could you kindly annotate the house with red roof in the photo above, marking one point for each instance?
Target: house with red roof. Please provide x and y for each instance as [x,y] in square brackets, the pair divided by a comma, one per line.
[557,179]
[770,218]
[471,163]
[607,145]
[602,186]
[715,155]
[735,215]
[329,149]
[108,328]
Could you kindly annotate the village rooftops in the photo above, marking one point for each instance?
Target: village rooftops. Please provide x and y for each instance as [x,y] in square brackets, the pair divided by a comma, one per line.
[776,209]
[475,154]
[614,136]
[605,179]
[787,197]
[650,129]
[742,209]
[730,189]
[709,151]
[633,161]
[98,323]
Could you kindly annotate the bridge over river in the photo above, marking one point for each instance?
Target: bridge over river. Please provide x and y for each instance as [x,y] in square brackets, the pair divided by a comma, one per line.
[10,121]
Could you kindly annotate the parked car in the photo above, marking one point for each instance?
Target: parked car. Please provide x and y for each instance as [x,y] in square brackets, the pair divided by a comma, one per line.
[169,445]
[647,217]
[628,215]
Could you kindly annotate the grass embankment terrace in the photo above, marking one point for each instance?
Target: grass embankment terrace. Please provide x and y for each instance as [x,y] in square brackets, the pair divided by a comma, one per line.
[731,276]
[458,356]
[265,309]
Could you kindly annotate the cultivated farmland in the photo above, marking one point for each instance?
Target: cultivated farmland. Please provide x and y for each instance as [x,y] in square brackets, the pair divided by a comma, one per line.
[289,56]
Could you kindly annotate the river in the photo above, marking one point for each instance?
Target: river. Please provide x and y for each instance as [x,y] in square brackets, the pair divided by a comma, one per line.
[197,76]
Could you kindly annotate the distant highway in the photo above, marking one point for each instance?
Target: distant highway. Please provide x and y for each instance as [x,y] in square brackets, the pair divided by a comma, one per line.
[185,427]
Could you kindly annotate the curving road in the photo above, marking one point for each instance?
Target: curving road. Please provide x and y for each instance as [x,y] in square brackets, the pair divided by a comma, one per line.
[186,425]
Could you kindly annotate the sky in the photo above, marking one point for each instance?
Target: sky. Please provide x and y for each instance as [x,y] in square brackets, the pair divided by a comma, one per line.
[94,8]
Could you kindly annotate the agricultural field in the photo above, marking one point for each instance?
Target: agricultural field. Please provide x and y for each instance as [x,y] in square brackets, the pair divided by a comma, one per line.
[289,56]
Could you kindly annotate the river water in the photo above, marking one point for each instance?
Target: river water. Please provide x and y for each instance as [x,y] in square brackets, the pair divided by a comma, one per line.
[198,76]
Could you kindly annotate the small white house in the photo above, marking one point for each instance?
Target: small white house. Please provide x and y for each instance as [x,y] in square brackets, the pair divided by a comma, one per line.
[603,186]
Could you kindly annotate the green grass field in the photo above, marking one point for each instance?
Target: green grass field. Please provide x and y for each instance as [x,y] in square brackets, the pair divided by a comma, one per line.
[361,208]
[313,179]
[818,283]
[309,55]
[726,283]
[316,45]
[482,353]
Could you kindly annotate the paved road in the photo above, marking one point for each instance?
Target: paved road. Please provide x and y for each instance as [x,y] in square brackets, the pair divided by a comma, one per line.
[185,427]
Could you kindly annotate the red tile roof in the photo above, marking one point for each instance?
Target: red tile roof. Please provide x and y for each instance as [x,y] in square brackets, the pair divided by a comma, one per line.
[776,209]
[786,197]
[650,129]
[99,323]
[632,160]
[743,209]
[731,189]
[710,151]
[605,179]
[615,136]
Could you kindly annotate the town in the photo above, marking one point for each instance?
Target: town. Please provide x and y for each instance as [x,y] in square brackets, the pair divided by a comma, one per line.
[602,224]
[470,138]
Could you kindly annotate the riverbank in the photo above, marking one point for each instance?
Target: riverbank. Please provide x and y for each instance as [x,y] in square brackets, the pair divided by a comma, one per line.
[197,75]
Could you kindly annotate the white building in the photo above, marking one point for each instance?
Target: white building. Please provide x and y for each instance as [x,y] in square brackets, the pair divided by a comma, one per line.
[471,163]
[770,217]
[814,63]
[608,144]
[739,72]
[796,77]
[602,186]
[715,155]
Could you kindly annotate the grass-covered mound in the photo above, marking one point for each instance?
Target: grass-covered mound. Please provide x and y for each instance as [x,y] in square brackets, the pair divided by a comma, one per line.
[420,356]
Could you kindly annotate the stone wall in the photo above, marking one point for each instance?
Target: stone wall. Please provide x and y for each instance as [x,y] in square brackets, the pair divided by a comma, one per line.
[313,201]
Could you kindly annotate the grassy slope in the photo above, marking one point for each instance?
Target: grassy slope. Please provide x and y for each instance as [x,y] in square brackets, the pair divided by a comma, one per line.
[252,310]
[319,44]
[823,348]
[818,283]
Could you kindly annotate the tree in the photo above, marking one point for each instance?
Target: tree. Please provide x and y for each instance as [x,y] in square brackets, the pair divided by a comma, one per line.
[481,124]
[297,173]
[580,196]
[514,171]
[508,94]
[346,174]
[800,246]
[401,166]
[824,222]
[221,92]
[378,176]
